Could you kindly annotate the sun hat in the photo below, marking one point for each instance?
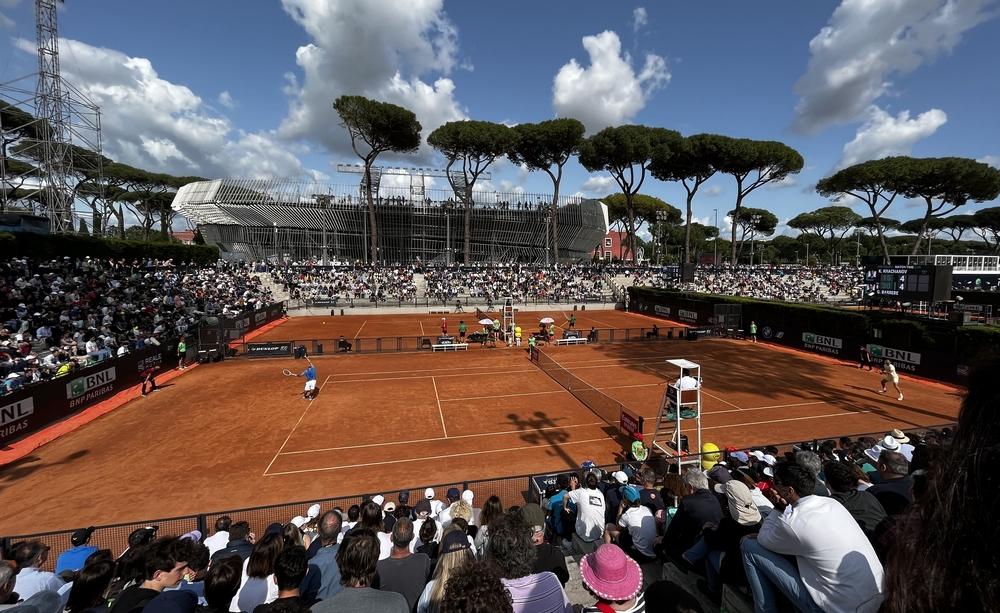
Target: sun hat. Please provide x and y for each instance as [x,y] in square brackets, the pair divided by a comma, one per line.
[468,496]
[890,443]
[610,574]
[741,505]
[534,516]
[900,436]
[620,477]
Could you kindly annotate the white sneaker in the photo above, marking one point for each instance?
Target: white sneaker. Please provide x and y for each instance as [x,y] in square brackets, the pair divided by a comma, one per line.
[881,391]
[900,397]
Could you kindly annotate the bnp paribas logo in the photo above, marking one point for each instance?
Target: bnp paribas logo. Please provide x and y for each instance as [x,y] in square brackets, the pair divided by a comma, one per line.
[81,385]
[809,337]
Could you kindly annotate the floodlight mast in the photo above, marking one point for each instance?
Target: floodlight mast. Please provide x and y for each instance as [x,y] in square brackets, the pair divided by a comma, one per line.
[53,111]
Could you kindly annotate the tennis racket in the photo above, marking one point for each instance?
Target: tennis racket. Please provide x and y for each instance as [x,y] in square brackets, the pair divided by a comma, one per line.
[289,373]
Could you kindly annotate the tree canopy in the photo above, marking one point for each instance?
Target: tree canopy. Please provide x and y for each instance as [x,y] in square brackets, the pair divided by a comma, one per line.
[988,226]
[831,223]
[752,223]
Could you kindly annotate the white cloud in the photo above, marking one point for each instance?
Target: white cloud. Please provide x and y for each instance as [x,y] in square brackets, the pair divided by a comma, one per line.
[639,18]
[600,184]
[866,43]
[226,100]
[882,134]
[381,50]
[711,191]
[162,126]
[992,160]
[6,22]
[608,92]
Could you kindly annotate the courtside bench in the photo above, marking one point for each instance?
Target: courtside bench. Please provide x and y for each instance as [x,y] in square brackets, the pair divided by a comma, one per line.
[571,341]
[451,346]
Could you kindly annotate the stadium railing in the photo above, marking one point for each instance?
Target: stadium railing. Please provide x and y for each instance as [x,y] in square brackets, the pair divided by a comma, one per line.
[431,302]
[515,490]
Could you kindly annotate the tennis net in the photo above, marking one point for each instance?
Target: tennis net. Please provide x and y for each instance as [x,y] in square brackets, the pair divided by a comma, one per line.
[604,406]
[481,315]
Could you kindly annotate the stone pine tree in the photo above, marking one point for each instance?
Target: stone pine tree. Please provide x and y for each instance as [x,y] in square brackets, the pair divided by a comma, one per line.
[988,226]
[876,183]
[625,152]
[547,146]
[689,162]
[754,164]
[469,148]
[831,223]
[376,127]
[751,223]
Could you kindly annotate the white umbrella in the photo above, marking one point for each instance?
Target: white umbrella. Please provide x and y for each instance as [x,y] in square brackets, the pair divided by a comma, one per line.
[546,320]
[486,322]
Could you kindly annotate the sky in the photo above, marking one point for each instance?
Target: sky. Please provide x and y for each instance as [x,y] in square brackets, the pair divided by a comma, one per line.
[244,88]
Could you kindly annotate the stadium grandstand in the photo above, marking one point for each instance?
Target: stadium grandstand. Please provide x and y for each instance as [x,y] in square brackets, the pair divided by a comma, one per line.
[264,219]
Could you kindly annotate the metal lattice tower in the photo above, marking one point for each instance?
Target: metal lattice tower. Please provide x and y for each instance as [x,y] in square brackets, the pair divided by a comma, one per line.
[53,109]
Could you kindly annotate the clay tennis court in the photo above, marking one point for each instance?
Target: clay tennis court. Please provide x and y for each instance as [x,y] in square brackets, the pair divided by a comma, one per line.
[239,434]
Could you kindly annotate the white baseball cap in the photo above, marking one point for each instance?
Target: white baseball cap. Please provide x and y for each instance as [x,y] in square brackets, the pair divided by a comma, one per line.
[313,511]
[429,493]
[299,521]
[378,499]
[620,477]
[468,496]
[770,460]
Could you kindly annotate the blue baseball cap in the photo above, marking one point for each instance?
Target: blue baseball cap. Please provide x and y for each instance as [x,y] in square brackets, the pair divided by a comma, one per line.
[630,493]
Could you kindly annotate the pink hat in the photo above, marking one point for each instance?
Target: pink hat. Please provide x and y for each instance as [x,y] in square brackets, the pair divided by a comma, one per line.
[610,574]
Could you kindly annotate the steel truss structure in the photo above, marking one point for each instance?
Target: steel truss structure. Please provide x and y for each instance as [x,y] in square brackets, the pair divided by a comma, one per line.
[51,138]
[283,219]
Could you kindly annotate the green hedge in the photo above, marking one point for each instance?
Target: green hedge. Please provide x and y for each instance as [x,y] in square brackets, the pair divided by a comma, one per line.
[45,246]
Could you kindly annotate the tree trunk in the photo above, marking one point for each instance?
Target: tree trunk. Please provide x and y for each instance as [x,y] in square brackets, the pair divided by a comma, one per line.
[630,212]
[372,223]
[736,215]
[467,242]
[687,228]
[881,237]
[923,228]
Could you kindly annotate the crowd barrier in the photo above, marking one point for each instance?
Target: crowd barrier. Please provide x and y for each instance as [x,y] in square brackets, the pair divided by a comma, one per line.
[394,344]
[439,303]
[36,406]
[515,490]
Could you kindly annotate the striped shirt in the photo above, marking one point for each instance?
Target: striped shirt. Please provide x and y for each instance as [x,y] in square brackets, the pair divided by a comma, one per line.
[538,593]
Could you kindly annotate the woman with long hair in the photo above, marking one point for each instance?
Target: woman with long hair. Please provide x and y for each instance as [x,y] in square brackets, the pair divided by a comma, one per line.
[455,553]
[90,588]
[258,584]
[944,556]
[492,510]
[371,519]
[221,584]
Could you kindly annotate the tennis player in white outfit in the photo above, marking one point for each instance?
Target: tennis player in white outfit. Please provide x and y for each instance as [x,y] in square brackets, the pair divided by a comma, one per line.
[889,374]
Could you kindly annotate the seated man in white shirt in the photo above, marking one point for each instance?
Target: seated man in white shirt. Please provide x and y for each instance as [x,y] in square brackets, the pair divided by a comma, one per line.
[687,382]
[835,566]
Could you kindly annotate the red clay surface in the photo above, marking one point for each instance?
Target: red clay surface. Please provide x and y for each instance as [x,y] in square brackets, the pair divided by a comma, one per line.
[238,433]
[373,326]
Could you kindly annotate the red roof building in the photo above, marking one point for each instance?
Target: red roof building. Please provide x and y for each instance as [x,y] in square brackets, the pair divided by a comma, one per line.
[614,246]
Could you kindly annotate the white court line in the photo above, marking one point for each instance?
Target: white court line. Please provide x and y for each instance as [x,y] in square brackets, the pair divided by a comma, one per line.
[618,387]
[436,457]
[785,406]
[450,438]
[461,374]
[558,391]
[775,421]
[440,412]
[359,329]
[720,399]
[422,333]
[292,431]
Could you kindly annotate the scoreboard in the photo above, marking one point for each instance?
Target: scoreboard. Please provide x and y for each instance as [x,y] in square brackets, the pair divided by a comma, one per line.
[908,283]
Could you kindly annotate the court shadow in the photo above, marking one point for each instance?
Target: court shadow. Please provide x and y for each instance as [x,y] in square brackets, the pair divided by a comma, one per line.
[29,464]
[541,429]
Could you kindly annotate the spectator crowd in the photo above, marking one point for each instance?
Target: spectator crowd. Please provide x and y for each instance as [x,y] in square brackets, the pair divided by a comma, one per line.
[312,283]
[785,283]
[61,314]
[523,283]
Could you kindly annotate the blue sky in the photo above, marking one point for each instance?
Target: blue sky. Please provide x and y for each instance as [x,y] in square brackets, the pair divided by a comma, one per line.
[243,88]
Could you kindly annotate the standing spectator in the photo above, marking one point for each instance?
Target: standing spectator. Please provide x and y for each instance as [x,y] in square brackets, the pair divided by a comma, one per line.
[864,357]
[181,354]
[31,579]
[753,331]
[835,567]
[699,507]
[221,584]
[240,543]
[476,588]
[220,539]
[289,571]
[511,551]
[589,502]
[90,587]
[547,556]
[163,567]
[403,572]
[325,559]
[73,559]
[455,554]
[560,521]
[614,579]
[358,560]
[895,490]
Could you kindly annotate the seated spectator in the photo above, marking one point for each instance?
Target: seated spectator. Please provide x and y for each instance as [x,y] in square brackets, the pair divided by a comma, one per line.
[325,559]
[91,586]
[719,546]
[73,558]
[476,588]
[811,462]
[492,511]
[835,567]
[862,505]
[403,572]
[547,556]
[614,579]
[560,521]
[635,529]
[357,559]
[456,553]
[172,601]
[258,579]
[453,496]
[428,545]
[371,519]
[193,579]
[289,571]
[590,505]
[511,551]
[699,507]
[220,539]
[43,601]
[667,597]
[895,490]
[343,345]
[30,556]
[240,542]
[163,567]
[221,584]
[422,511]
